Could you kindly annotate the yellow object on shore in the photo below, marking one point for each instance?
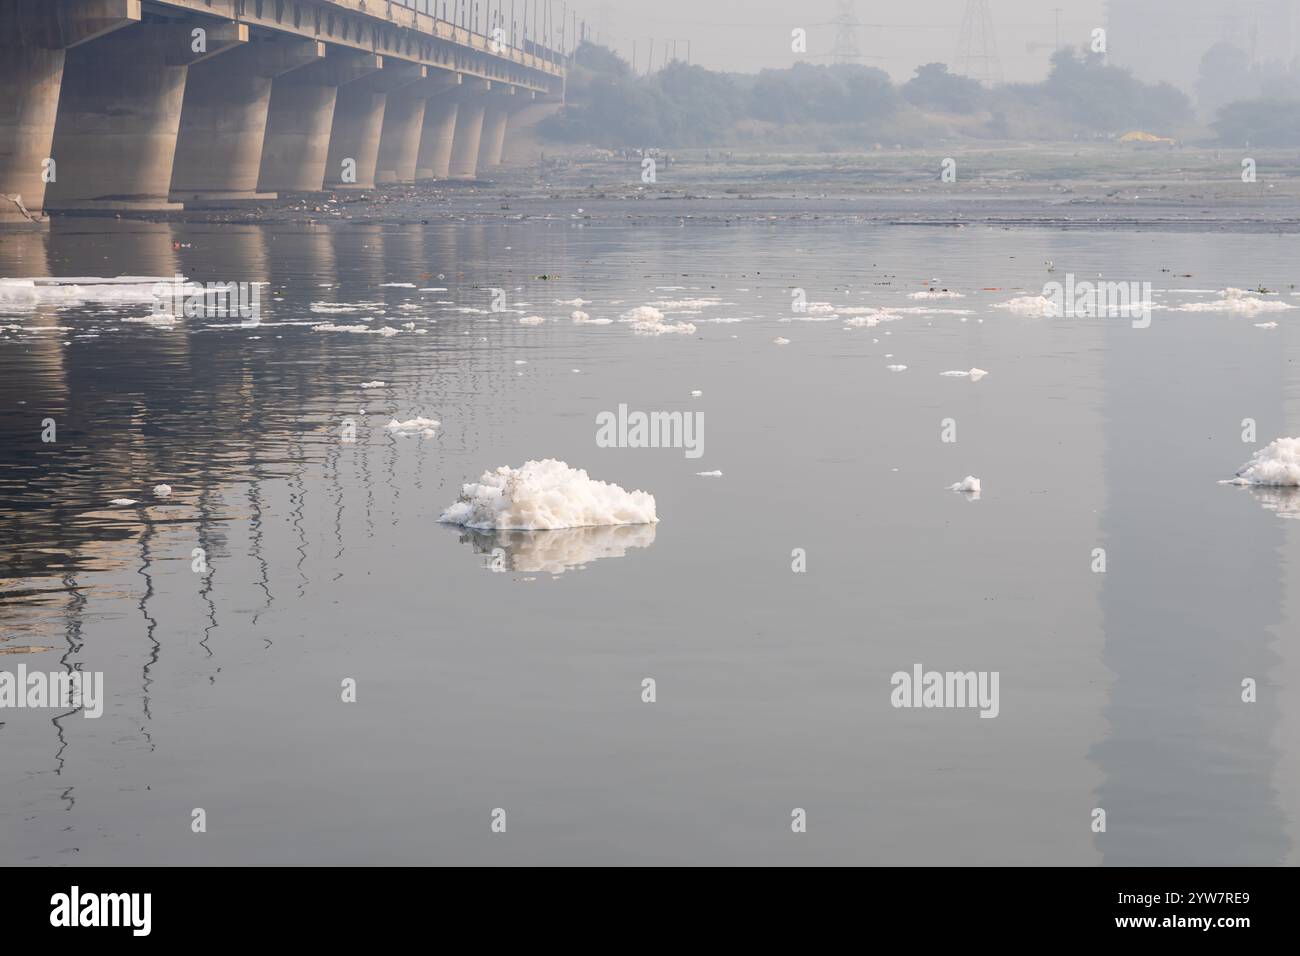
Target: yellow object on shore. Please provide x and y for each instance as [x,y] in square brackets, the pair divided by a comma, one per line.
[1137,136]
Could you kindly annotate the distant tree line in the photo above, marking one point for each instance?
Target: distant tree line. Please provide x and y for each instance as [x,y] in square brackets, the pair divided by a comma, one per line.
[1254,103]
[608,105]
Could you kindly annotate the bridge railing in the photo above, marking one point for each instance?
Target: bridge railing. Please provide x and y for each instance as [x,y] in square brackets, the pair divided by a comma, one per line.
[483,18]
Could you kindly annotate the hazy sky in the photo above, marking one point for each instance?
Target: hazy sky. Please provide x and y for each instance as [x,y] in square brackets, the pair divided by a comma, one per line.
[748,35]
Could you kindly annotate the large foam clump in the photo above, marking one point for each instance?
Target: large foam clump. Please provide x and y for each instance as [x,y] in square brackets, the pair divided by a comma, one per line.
[1276,464]
[546,495]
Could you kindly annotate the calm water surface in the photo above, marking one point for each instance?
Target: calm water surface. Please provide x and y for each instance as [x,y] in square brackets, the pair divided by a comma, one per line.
[522,690]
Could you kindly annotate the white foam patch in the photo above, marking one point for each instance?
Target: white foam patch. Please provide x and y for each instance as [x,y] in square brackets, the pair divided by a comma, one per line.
[163,320]
[969,484]
[811,316]
[386,331]
[709,474]
[162,491]
[532,320]
[423,427]
[897,368]
[642,313]
[123,502]
[546,495]
[1236,300]
[374,384]
[23,294]
[1277,464]
[647,320]
[974,374]
[935,294]
[679,305]
[871,321]
[1038,306]
[343,308]
[398,285]
[780,341]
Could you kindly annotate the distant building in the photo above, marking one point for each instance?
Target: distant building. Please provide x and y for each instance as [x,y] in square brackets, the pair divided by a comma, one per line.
[1164,40]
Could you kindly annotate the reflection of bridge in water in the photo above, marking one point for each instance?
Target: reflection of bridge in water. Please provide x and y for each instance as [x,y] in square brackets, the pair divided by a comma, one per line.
[145,105]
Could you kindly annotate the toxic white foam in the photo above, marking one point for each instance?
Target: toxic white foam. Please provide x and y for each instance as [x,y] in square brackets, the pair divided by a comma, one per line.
[935,294]
[355,329]
[162,491]
[413,426]
[663,328]
[374,384]
[1276,464]
[1236,300]
[531,320]
[642,313]
[1038,306]
[974,374]
[647,320]
[871,321]
[343,308]
[970,484]
[546,495]
[680,305]
[80,290]
[897,368]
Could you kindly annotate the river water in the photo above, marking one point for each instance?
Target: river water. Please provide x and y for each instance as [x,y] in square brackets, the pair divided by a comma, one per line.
[514,680]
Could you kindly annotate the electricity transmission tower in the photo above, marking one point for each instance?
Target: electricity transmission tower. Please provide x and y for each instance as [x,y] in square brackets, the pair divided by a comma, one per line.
[977,49]
[846,25]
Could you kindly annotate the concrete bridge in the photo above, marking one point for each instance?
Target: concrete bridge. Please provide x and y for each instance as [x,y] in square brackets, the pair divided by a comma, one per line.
[157,105]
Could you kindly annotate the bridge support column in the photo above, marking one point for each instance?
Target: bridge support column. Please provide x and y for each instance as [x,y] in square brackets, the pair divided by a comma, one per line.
[359,125]
[403,133]
[224,120]
[34,37]
[119,115]
[300,116]
[493,141]
[436,139]
[469,131]
[523,144]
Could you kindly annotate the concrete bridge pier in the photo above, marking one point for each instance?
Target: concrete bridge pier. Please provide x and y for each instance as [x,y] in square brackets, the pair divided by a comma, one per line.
[120,112]
[224,120]
[34,38]
[434,159]
[300,118]
[359,124]
[469,130]
[496,116]
[403,133]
